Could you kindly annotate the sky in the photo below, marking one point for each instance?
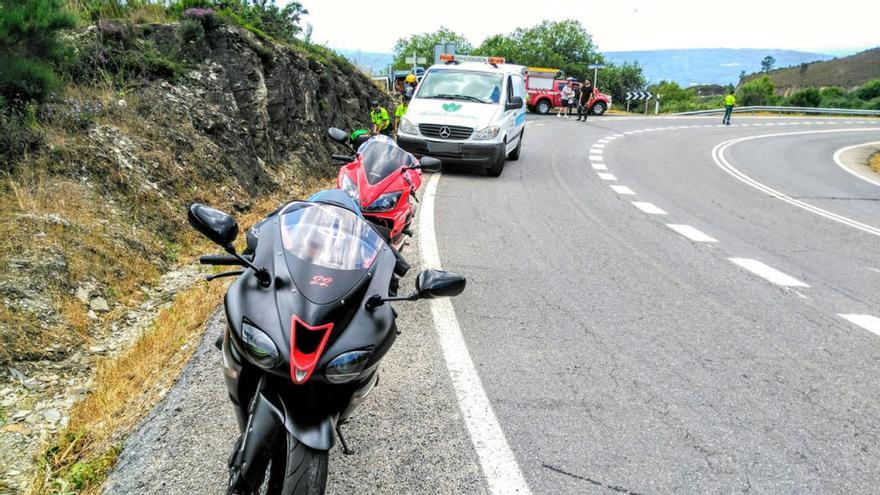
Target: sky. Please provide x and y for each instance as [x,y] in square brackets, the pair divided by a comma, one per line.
[840,26]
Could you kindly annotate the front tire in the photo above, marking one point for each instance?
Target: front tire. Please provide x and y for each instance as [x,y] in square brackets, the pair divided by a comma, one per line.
[514,155]
[305,469]
[543,107]
[496,168]
[599,108]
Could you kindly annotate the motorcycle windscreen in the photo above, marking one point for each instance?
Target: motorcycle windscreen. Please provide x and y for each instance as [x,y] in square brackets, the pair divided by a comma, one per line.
[328,250]
[382,157]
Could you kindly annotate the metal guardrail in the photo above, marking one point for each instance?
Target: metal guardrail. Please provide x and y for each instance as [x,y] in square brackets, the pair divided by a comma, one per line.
[824,111]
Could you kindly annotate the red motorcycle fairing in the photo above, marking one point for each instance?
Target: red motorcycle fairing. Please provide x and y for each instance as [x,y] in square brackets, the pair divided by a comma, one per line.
[381,167]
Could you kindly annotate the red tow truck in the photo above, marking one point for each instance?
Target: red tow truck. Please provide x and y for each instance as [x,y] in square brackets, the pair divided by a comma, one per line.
[545,92]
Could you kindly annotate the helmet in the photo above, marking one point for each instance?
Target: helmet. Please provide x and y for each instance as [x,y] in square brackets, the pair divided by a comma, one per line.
[410,78]
[374,103]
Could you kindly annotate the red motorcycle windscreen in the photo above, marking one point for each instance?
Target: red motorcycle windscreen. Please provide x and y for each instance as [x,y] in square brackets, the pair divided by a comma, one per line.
[306,347]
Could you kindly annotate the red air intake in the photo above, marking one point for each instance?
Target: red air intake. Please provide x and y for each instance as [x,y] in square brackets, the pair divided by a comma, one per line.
[306,346]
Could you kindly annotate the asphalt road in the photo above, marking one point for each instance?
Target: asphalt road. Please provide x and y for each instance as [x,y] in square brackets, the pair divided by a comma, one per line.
[619,355]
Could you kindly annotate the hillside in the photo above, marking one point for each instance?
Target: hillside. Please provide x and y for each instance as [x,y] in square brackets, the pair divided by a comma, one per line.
[846,72]
[708,65]
[93,209]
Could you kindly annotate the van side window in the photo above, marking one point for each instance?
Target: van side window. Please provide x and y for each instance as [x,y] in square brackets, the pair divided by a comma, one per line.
[519,88]
[510,94]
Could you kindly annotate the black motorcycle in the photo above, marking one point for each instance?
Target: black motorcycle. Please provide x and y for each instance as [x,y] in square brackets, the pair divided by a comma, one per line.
[308,324]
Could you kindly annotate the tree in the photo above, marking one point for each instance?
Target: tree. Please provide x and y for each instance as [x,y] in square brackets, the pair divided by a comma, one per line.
[869,90]
[757,92]
[767,64]
[807,97]
[670,92]
[742,76]
[565,45]
[28,46]
[616,80]
[423,46]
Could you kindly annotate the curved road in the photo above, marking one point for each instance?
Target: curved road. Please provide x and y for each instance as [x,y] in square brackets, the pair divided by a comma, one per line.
[647,312]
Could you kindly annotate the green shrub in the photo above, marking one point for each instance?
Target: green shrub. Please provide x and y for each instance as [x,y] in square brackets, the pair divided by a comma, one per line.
[869,90]
[832,92]
[28,46]
[757,92]
[18,138]
[192,30]
[807,97]
[873,104]
[842,102]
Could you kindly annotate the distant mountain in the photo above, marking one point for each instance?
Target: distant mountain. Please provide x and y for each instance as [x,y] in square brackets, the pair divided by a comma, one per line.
[708,65]
[684,66]
[374,62]
[847,72]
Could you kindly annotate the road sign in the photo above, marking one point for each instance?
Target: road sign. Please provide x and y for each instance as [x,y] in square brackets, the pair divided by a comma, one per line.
[595,66]
[416,60]
[638,95]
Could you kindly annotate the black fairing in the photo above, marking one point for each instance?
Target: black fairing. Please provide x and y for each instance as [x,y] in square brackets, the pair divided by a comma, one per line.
[271,309]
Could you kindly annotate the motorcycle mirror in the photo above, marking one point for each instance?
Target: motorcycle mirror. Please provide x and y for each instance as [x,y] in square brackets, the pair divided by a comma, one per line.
[214,224]
[431,284]
[338,135]
[430,164]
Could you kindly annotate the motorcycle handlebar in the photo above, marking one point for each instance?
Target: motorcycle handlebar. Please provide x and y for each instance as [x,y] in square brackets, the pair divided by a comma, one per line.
[222,260]
[342,158]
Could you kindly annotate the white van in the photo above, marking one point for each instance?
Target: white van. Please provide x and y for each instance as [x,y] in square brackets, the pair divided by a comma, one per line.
[469,110]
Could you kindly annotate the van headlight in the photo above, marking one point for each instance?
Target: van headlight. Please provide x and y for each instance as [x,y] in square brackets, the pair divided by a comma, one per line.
[259,347]
[408,127]
[487,133]
[346,367]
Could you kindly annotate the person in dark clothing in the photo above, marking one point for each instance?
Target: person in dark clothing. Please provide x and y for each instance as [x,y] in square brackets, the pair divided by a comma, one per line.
[584,99]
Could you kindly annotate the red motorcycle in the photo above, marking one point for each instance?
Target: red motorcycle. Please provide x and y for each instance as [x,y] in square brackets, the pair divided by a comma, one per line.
[382,179]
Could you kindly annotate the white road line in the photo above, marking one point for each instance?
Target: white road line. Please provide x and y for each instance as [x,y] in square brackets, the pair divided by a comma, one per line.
[622,190]
[599,166]
[618,135]
[868,322]
[598,146]
[838,153]
[648,208]
[721,161]
[595,158]
[768,272]
[502,473]
[606,176]
[691,233]
[874,270]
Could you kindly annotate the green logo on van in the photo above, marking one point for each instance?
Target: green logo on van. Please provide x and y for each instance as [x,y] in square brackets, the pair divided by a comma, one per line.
[451,107]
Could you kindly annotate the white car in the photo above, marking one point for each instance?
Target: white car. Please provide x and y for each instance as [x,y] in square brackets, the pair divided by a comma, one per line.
[468,110]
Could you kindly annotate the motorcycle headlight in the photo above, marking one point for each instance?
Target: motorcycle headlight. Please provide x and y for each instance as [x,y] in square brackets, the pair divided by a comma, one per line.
[350,188]
[346,367]
[408,127]
[384,202]
[487,133]
[259,347]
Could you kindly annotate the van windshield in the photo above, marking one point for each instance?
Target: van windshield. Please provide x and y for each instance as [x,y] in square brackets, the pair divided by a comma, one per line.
[452,84]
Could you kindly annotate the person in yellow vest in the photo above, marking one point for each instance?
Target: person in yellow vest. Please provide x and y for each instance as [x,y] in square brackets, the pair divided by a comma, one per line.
[379,118]
[400,111]
[409,84]
[729,102]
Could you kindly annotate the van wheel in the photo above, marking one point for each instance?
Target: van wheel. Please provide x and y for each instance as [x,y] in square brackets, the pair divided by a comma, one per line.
[496,169]
[599,108]
[514,155]
[543,107]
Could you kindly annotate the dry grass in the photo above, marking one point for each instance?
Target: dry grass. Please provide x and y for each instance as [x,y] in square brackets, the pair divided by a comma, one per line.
[874,162]
[124,389]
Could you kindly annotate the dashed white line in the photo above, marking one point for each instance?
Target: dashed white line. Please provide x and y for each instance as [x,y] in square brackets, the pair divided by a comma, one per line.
[649,208]
[605,176]
[691,233]
[768,272]
[598,146]
[622,190]
[502,473]
[868,322]
[599,166]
